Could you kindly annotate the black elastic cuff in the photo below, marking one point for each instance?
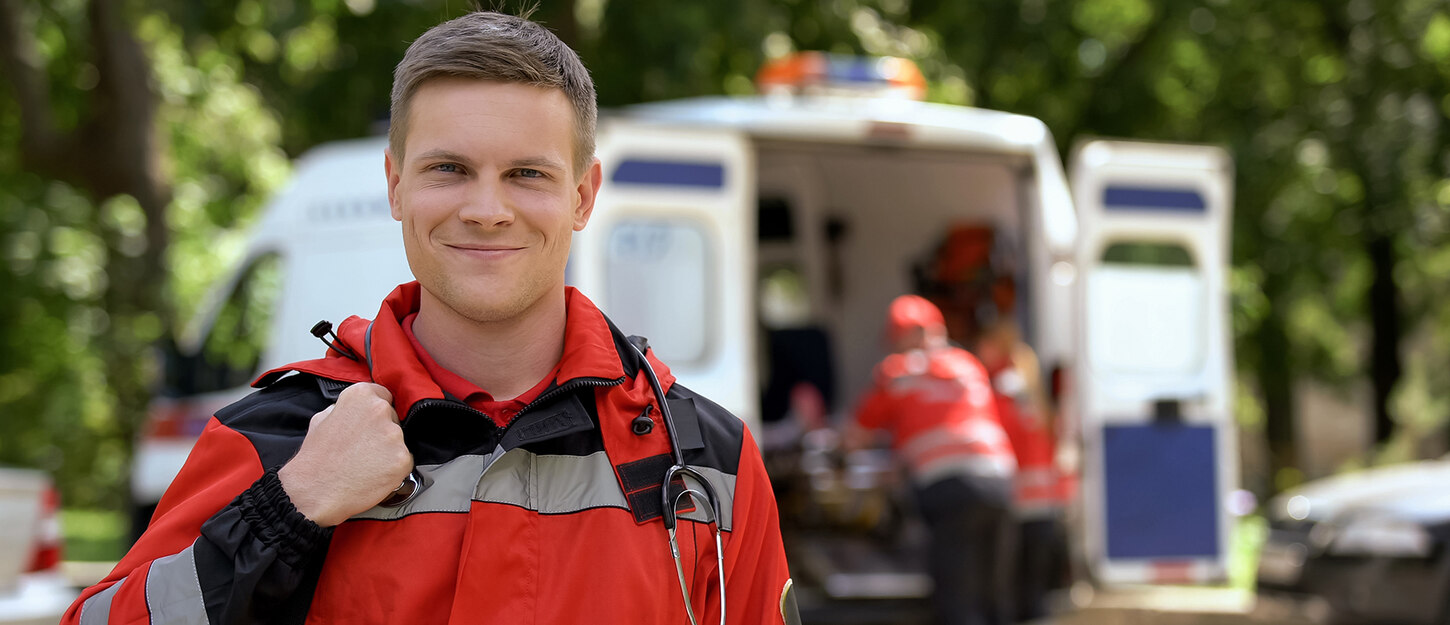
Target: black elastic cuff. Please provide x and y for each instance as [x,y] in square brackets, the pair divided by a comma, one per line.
[269,512]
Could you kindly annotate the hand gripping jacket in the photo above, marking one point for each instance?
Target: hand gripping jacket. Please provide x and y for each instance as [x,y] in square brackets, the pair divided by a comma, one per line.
[553,519]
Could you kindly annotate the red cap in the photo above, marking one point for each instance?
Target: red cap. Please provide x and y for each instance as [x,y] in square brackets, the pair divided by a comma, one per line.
[911,311]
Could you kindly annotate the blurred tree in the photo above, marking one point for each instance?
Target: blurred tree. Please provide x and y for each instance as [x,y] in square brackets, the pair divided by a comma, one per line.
[105,147]
[117,143]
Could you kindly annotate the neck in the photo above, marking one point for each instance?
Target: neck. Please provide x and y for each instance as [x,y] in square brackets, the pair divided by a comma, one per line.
[504,358]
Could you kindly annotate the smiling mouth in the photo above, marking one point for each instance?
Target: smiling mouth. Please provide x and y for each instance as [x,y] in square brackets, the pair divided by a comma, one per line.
[486,252]
[485,248]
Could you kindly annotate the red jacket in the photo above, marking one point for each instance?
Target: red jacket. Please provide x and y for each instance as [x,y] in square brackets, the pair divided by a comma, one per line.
[1038,484]
[553,519]
[938,406]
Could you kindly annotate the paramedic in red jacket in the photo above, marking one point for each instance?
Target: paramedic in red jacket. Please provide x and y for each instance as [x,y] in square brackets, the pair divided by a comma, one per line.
[936,403]
[534,436]
[1039,502]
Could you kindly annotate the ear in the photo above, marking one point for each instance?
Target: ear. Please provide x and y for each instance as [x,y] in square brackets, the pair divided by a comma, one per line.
[392,168]
[588,192]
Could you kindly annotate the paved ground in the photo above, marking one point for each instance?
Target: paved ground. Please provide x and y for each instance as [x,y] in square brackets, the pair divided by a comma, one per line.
[1127,606]
[1177,606]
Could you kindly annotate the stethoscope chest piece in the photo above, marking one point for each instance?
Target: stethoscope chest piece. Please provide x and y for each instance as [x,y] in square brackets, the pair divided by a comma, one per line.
[702,491]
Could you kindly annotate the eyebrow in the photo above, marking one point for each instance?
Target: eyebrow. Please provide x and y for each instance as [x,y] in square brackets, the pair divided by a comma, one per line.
[542,162]
[443,155]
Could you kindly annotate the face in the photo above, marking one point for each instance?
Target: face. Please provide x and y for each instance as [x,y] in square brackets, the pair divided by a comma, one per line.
[487,195]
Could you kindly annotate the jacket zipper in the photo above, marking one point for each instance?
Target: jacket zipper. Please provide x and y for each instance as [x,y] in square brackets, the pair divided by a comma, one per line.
[571,385]
[433,402]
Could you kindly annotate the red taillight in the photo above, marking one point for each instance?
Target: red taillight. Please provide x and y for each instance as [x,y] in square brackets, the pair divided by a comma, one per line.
[46,556]
[164,420]
[183,418]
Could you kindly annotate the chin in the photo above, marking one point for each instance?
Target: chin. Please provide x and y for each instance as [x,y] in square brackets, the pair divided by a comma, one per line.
[492,303]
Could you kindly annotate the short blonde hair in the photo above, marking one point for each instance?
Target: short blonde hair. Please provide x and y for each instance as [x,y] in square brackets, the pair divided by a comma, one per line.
[485,45]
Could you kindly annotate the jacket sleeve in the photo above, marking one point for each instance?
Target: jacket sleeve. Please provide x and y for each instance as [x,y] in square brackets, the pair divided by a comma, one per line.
[757,579]
[226,546]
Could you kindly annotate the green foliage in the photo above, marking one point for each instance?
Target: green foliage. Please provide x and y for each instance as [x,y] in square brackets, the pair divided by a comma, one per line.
[94,535]
[222,143]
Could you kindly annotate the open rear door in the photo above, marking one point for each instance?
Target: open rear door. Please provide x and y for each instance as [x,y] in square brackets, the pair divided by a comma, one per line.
[1154,360]
[669,255]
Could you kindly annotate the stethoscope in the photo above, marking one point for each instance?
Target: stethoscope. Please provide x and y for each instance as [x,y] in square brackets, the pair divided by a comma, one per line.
[670,500]
[412,485]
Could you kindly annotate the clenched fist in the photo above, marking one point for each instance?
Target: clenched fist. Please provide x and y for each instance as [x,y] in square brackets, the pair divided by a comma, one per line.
[352,457]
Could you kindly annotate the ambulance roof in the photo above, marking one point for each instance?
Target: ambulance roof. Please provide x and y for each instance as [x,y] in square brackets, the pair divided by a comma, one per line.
[833,119]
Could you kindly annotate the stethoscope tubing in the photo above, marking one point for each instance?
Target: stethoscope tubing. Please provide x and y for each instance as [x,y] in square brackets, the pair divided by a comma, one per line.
[670,502]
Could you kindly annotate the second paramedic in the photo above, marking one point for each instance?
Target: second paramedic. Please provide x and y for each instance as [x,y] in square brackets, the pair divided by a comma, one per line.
[1039,504]
[935,402]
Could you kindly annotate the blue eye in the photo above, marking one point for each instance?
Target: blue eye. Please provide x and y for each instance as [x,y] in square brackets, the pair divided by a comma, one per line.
[447,168]
[531,173]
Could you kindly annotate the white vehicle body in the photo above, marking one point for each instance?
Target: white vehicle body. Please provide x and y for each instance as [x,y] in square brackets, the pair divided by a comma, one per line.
[1154,360]
[859,191]
[31,592]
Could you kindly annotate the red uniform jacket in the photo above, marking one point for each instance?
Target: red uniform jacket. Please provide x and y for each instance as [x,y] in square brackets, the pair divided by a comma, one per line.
[1038,484]
[552,519]
[938,406]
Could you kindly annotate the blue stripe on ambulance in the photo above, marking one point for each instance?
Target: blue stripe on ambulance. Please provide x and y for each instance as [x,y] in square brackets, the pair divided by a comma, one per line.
[1116,197]
[670,173]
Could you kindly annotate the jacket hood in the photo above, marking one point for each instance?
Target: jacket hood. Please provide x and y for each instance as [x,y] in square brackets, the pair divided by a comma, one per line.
[593,350]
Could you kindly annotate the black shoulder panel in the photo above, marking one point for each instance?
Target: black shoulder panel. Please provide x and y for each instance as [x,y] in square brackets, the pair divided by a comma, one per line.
[723,433]
[275,418]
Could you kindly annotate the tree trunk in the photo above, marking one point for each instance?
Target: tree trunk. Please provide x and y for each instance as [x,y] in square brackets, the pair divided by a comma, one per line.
[1276,382]
[1386,331]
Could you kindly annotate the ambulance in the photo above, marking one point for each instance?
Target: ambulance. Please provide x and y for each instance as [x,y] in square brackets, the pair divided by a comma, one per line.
[757,241]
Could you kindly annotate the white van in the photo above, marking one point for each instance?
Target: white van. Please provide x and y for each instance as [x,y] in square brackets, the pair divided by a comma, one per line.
[757,242]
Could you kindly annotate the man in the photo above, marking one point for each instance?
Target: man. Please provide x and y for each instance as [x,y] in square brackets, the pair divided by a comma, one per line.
[936,403]
[523,429]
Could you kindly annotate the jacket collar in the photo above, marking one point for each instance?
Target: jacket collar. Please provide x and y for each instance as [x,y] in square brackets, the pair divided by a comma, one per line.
[592,352]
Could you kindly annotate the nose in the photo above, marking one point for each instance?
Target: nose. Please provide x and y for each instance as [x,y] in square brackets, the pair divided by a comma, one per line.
[487,206]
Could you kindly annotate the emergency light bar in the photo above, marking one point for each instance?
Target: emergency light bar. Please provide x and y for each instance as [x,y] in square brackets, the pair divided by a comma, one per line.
[818,73]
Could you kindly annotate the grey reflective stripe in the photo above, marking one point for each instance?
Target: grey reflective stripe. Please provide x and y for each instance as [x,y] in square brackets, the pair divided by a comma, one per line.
[544,483]
[97,609]
[929,473]
[724,485]
[447,487]
[173,592]
[552,484]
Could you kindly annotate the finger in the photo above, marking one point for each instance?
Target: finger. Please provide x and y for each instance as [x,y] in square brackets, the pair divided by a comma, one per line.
[375,389]
[321,415]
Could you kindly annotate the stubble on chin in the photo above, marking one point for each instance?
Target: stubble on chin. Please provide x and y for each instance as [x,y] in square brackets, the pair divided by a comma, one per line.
[484,304]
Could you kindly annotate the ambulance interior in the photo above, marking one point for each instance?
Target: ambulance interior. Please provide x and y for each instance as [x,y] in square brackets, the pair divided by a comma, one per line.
[842,231]
[845,229]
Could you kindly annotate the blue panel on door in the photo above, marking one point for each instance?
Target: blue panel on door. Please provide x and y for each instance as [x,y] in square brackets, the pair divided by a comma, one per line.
[1161,482]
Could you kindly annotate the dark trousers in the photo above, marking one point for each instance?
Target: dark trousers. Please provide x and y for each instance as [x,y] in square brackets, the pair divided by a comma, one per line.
[972,549]
[1039,565]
